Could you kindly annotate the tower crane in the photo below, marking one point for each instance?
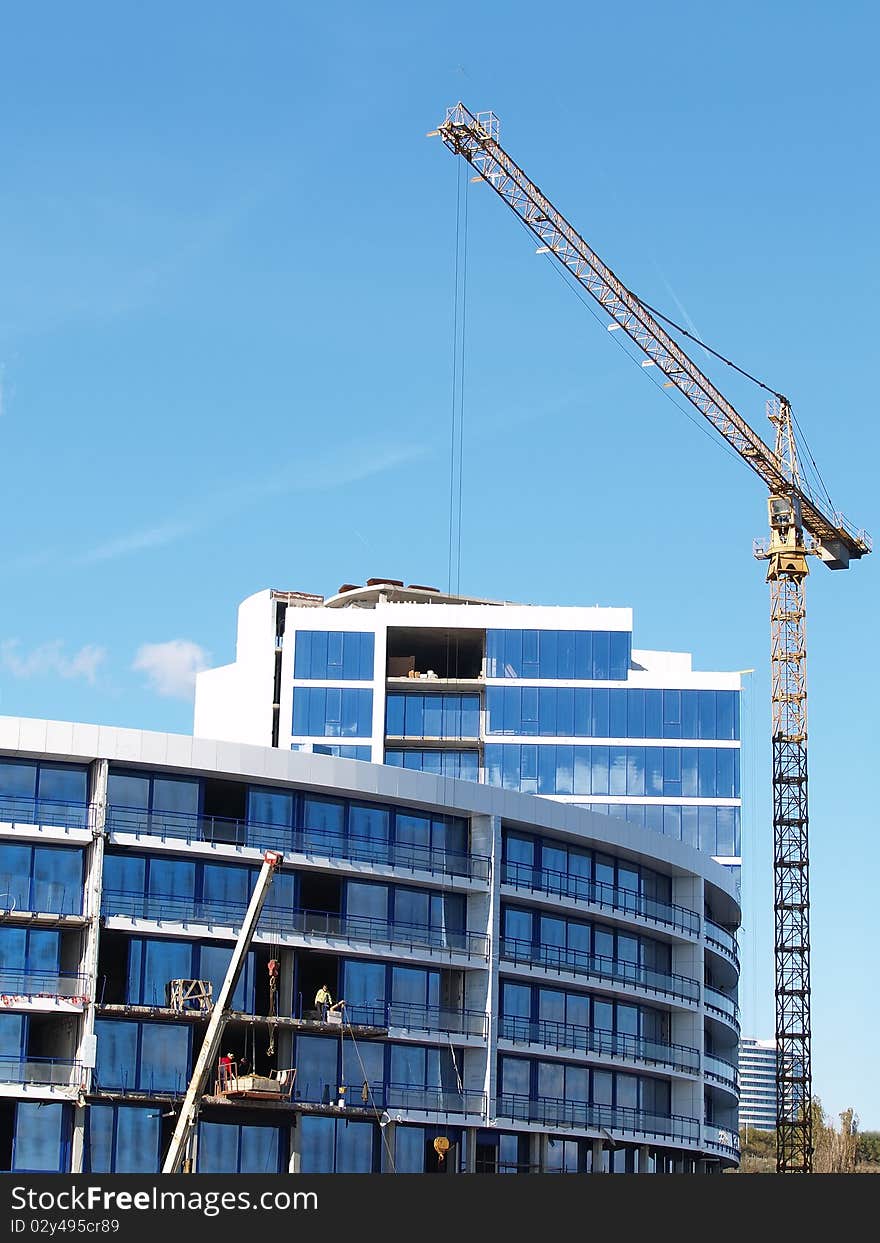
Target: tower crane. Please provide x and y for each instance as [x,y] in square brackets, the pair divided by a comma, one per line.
[801,525]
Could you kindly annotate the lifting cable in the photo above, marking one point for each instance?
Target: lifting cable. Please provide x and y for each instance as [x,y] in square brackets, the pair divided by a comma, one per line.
[459,329]
[369,1094]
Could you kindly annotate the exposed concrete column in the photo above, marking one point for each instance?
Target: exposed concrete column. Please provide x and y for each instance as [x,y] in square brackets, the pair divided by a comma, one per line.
[481,987]
[380,664]
[536,1153]
[88,962]
[644,1155]
[294,1165]
[600,1164]
[470,1150]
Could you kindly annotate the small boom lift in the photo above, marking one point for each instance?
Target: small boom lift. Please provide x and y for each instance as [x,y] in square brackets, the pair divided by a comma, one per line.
[189,1112]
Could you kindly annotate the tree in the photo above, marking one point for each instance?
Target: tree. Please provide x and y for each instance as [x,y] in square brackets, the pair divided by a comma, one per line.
[834,1151]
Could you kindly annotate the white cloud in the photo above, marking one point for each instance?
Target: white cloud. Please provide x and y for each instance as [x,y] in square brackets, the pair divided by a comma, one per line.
[151,537]
[171,667]
[336,469]
[50,658]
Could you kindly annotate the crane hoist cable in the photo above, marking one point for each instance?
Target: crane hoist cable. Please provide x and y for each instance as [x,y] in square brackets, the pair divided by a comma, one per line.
[459,333]
[371,1098]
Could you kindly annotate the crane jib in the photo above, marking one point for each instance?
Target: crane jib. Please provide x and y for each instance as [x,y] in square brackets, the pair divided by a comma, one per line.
[476,140]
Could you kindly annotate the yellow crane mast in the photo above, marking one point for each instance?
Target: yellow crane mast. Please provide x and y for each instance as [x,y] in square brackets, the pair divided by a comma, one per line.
[801,525]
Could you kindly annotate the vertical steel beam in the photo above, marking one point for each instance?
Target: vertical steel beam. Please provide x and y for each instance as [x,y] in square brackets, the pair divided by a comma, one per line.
[794,1142]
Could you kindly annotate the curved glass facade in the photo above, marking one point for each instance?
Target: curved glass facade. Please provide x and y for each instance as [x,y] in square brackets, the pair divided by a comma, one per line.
[599,1001]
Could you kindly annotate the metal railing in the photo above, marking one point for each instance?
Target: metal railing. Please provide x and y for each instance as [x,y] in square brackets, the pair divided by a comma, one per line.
[125,1081]
[556,1035]
[724,1072]
[719,938]
[720,1139]
[324,843]
[410,1016]
[559,1113]
[557,958]
[292,921]
[394,1096]
[64,984]
[721,1004]
[601,894]
[39,897]
[53,813]
[45,1071]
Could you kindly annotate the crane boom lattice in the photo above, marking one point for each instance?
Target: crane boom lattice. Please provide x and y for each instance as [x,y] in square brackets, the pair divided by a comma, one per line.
[801,524]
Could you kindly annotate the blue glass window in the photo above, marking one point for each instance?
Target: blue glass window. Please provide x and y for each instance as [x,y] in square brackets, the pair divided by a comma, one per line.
[153,792]
[558,654]
[317,1144]
[608,712]
[418,715]
[270,807]
[364,983]
[688,772]
[35,793]
[150,970]
[40,1140]
[364,898]
[213,965]
[465,765]
[147,1057]
[123,1140]
[225,1148]
[332,712]
[317,1069]
[18,779]
[409,1150]
[12,1036]
[62,783]
[116,1067]
[344,752]
[41,878]
[515,1076]
[354,1148]
[342,655]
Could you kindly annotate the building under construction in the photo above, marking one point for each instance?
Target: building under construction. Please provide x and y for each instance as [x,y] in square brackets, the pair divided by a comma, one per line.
[516,984]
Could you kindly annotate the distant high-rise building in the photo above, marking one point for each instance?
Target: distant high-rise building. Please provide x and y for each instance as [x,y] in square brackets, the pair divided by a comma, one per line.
[757,1083]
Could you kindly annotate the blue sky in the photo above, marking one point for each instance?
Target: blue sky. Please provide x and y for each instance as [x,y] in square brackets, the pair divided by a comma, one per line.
[227,256]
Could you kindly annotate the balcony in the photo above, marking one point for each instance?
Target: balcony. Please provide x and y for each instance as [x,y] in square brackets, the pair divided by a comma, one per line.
[556,958]
[723,941]
[720,1004]
[406,1016]
[63,985]
[44,812]
[315,843]
[550,1111]
[396,1096]
[41,1072]
[718,1139]
[291,921]
[564,1036]
[434,1100]
[600,894]
[720,1071]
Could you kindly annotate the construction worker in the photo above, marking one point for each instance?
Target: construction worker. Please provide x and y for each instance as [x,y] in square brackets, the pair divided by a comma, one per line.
[225,1071]
[323,1002]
